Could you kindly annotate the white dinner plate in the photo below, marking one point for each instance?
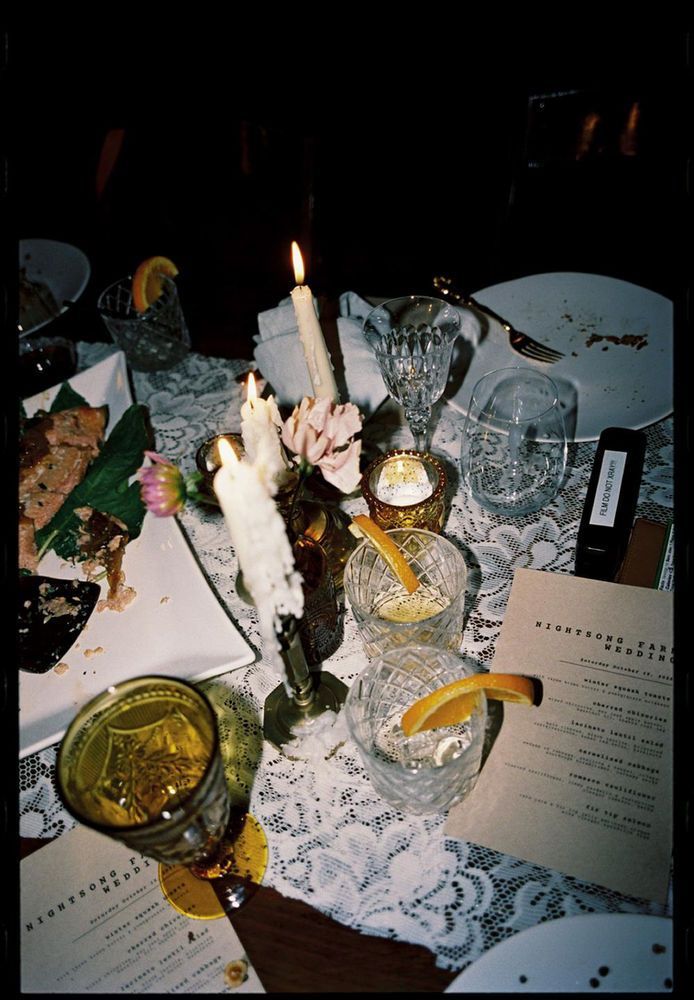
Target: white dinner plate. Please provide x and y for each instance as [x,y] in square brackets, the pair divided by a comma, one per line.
[64,268]
[617,340]
[175,626]
[591,953]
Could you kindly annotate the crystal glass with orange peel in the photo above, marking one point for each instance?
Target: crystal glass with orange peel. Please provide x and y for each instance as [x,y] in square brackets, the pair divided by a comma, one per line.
[152,340]
[433,769]
[141,763]
[387,614]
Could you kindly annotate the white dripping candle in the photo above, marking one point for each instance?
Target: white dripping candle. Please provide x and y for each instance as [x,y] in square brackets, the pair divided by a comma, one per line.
[262,548]
[312,340]
[260,429]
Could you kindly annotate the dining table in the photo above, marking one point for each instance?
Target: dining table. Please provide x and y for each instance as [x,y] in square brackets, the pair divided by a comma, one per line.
[359,896]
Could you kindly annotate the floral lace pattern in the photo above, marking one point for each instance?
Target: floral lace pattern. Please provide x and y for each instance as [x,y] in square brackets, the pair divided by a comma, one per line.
[333,842]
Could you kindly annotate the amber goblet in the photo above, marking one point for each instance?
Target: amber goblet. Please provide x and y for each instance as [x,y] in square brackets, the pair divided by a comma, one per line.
[141,763]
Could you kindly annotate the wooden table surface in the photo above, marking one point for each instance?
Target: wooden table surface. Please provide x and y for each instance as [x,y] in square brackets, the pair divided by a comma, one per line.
[296,949]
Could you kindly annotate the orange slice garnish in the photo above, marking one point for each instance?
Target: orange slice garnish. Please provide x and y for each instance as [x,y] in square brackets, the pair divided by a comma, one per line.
[147,283]
[456,702]
[388,551]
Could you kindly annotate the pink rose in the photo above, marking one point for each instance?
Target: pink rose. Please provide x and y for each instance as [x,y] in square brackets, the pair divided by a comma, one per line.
[341,468]
[320,432]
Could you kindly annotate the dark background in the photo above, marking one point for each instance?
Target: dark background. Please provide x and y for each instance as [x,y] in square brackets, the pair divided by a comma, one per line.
[389,155]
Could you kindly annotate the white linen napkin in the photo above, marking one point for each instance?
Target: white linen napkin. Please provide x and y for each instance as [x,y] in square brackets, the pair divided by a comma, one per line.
[280,357]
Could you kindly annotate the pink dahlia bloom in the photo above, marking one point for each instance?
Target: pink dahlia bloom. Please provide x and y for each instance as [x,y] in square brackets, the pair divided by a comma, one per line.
[162,486]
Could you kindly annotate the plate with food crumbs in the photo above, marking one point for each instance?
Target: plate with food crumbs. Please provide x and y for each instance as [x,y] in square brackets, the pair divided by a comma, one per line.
[189,635]
[589,953]
[616,338]
[52,276]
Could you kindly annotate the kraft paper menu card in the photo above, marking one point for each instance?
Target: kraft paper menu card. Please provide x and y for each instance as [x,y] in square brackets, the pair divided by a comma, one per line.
[94,920]
[582,783]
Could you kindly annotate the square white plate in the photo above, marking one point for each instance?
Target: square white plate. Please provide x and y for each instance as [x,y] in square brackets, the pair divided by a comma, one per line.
[175,625]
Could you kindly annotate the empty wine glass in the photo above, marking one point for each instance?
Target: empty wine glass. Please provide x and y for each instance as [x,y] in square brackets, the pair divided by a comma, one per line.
[513,451]
[412,338]
[141,763]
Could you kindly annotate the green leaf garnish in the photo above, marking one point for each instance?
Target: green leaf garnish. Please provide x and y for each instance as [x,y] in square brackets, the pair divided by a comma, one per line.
[66,399]
[105,487]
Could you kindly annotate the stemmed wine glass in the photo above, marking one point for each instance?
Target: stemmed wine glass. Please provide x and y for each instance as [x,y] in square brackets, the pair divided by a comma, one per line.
[412,338]
[141,763]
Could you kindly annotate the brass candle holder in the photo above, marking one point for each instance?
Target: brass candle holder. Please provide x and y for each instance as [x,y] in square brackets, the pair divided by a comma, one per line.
[329,526]
[294,705]
[312,694]
[406,489]
[324,522]
[208,460]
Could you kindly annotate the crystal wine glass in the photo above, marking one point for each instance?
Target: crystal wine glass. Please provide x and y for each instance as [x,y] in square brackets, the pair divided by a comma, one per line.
[141,763]
[412,338]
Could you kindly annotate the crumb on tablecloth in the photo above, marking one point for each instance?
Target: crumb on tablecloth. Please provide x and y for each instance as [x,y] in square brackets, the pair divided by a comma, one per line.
[61,668]
[93,652]
[236,972]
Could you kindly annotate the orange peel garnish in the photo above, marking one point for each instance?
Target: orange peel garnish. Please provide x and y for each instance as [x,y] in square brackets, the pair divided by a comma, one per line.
[456,702]
[147,283]
[388,551]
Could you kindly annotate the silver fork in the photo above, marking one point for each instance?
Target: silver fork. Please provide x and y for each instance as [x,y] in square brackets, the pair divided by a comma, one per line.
[520,342]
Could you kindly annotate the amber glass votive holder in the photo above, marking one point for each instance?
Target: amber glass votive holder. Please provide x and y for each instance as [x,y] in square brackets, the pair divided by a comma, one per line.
[405,489]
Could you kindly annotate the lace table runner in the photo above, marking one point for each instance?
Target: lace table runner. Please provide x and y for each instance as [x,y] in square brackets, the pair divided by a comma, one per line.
[333,842]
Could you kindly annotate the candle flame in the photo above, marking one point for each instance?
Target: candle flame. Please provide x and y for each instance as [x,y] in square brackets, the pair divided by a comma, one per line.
[251,391]
[227,454]
[298,262]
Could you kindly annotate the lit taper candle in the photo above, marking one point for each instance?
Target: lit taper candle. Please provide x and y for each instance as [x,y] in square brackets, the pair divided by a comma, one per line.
[262,547]
[261,424]
[312,340]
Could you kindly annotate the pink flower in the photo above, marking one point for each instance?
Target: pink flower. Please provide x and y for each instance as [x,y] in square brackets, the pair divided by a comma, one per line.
[341,468]
[321,432]
[163,487]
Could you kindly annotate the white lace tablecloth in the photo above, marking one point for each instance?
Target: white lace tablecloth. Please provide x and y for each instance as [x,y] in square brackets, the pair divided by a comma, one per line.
[333,842]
